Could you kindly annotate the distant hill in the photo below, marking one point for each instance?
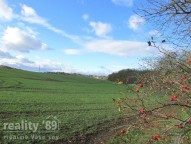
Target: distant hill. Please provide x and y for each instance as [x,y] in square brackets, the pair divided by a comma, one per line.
[10,72]
[6,67]
[60,73]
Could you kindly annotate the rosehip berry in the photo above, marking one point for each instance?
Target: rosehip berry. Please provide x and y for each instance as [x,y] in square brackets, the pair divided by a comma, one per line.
[137,90]
[189,60]
[149,141]
[144,115]
[122,132]
[171,99]
[180,126]
[189,121]
[182,86]
[143,110]
[156,137]
[175,96]
[187,88]
[135,101]
[140,85]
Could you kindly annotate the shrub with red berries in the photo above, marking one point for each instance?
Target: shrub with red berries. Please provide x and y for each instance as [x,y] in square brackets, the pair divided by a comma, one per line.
[158,108]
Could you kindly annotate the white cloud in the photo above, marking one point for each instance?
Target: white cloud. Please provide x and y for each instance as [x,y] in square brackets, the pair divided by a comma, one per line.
[101,29]
[135,21]
[19,40]
[85,17]
[6,13]
[127,3]
[120,47]
[28,11]
[5,55]
[98,71]
[71,51]
[22,62]
[29,15]
[15,61]
[115,67]
[45,65]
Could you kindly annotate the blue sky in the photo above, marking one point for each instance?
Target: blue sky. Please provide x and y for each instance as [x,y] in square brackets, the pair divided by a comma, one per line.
[76,36]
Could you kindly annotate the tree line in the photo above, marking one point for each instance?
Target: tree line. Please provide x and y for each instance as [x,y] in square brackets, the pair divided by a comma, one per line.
[128,76]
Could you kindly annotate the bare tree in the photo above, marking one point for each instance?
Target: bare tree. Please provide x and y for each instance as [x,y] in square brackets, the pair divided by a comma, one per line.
[172,18]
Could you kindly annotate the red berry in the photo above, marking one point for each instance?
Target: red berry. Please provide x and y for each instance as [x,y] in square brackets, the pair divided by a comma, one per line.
[140,85]
[156,137]
[171,99]
[144,115]
[189,121]
[180,126]
[149,141]
[187,88]
[122,132]
[189,60]
[135,101]
[182,86]
[175,96]
[187,102]
[143,110]
[137,90]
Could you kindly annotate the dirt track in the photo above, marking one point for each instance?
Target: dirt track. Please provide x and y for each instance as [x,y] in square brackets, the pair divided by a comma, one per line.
[103,136]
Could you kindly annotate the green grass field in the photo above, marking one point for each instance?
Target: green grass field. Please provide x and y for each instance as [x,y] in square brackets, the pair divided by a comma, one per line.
[83,105]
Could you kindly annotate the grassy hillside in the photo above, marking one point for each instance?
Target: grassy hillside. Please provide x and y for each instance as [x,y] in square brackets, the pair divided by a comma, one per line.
[82,105]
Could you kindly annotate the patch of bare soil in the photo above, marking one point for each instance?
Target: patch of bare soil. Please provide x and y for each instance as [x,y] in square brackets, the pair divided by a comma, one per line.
[103,135]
